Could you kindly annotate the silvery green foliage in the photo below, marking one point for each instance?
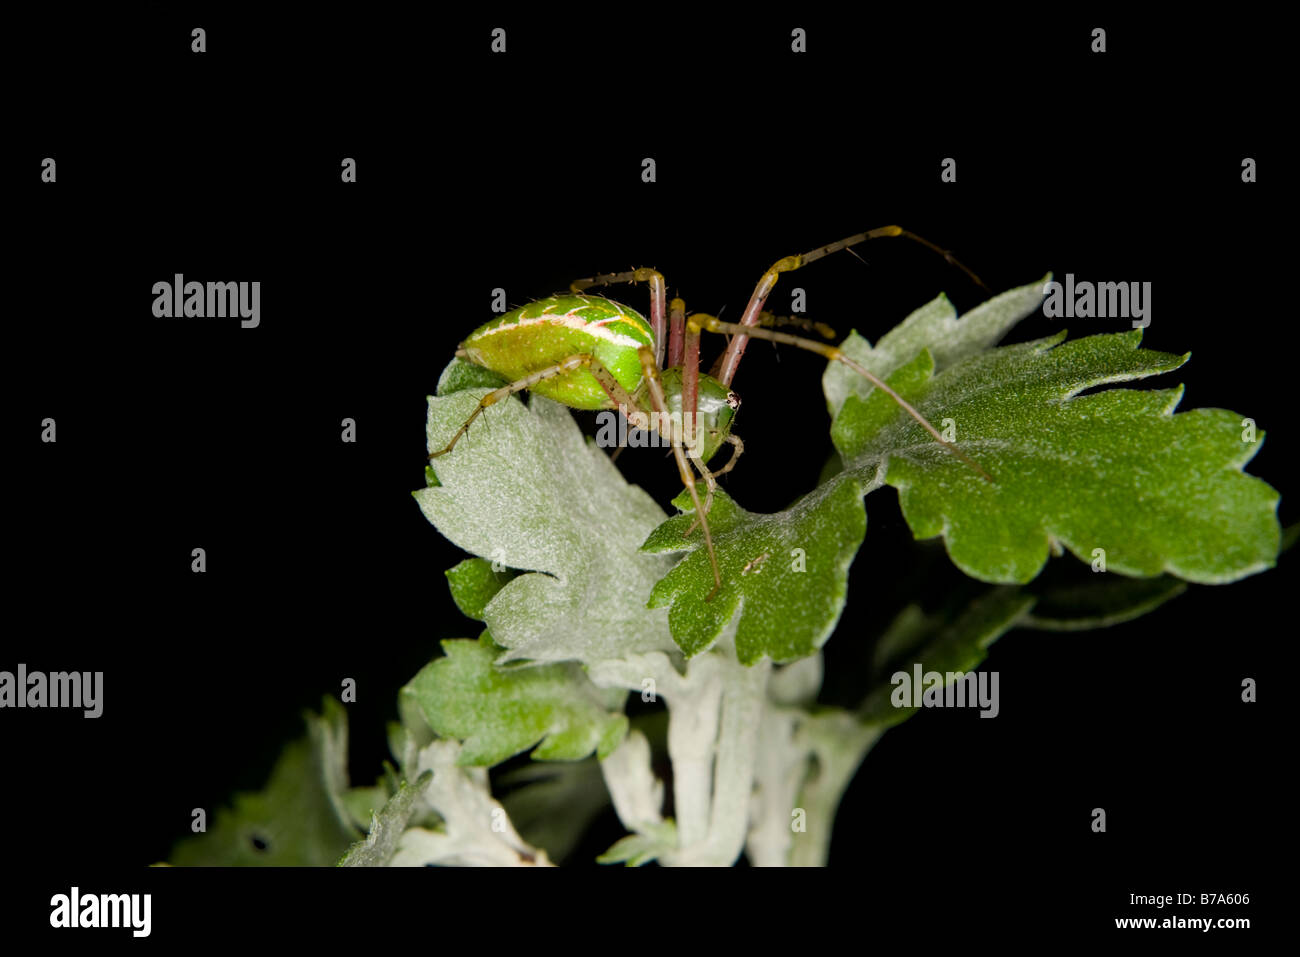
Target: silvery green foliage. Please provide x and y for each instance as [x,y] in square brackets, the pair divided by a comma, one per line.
[585,566]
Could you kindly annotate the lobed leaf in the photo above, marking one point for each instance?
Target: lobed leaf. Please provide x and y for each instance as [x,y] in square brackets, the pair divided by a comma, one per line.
[1112,475]
[935,327]
[474,583]
[525,489]
[297,820]
[785,573]
[649,844]
[499,712]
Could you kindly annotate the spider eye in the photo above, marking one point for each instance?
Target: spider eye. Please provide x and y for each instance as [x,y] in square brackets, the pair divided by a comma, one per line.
[733,400]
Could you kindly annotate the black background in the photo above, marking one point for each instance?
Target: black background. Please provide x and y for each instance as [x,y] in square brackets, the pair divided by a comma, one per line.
[523,171]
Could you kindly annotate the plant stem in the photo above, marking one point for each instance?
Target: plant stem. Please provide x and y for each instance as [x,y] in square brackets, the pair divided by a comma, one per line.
[692,733]
[782,766]
[839,742]
[714,713]
[743,692]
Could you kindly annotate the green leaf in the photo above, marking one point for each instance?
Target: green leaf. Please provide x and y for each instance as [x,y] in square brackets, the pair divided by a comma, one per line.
[386,826]
[525,489]
[460,375]
[297,820]
[1100,604]
[935,327]
[938,643]
[499,712]
[1115,470]
[474,583]
[787,573]
[653,842]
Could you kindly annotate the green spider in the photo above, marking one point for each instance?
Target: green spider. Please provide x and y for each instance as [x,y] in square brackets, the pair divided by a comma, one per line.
[590,352]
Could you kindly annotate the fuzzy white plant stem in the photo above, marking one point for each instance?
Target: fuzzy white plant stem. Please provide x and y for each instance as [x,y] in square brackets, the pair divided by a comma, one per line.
[839,742]
[637,794]
[782,766]
[476,831]
[692,734]
[714,712]
[743,692]
[693,702]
